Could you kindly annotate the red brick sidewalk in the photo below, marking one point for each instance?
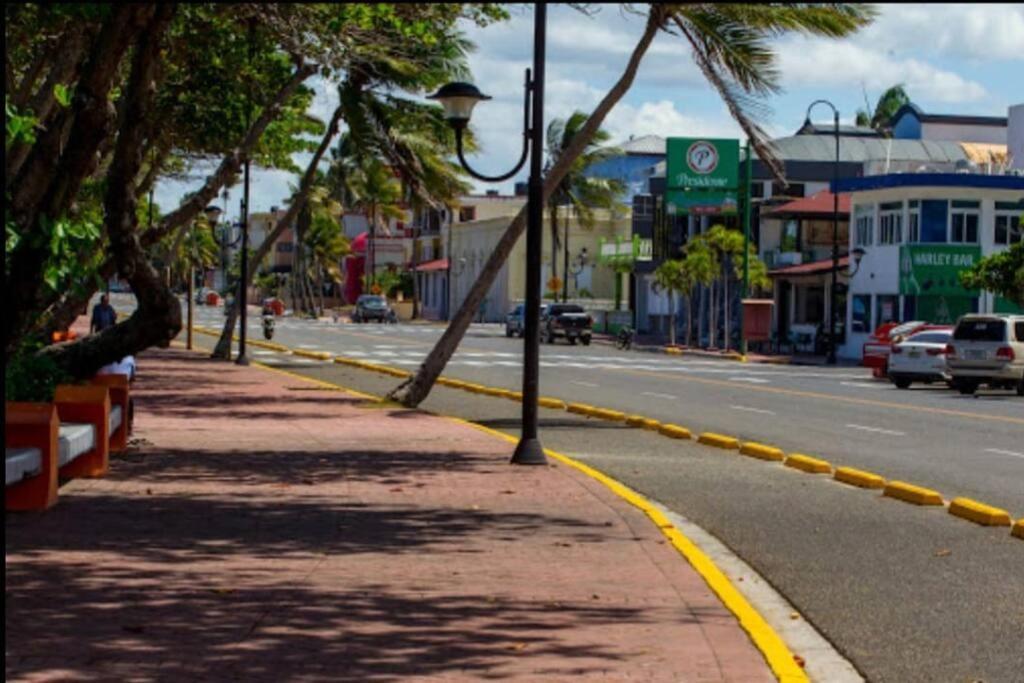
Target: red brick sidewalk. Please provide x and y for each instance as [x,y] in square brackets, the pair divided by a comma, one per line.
[267,530]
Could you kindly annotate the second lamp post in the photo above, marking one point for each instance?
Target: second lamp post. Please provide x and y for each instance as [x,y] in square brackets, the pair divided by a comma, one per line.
[458,100]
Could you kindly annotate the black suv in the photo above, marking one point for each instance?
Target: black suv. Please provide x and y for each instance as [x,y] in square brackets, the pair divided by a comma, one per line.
[372,307]
[565,320]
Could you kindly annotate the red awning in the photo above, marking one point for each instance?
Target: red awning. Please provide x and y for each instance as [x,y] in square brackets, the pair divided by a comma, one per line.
[817,204]
[431,266]
[812,268]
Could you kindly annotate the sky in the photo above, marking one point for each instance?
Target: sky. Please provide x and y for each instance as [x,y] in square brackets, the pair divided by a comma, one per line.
[952,59]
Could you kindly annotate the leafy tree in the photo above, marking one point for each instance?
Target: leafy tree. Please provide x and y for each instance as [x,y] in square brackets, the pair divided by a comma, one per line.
[730,44]
[886,107]
[578,193]
[1001,273]
[700,261]
[673,277]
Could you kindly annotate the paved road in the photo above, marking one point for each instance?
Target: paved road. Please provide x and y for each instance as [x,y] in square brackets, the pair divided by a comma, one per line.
[907,594]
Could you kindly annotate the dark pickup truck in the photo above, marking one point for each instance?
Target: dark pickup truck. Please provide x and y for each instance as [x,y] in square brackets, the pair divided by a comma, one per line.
[565,320]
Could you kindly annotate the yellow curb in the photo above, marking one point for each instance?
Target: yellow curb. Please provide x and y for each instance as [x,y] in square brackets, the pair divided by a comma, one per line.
[579,408]
[719,441]
[674,431]
[652,425]
[909,493]
[759,450]
[490,391]
[979,513]
[509,394]
[806,463]
[514,395]
[1018,528]
[318,355]
[635,420]
[854,477]
[610,415]
[674,352]
[553,403]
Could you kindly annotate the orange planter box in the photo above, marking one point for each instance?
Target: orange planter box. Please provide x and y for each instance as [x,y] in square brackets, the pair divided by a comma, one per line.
[91,404]
[32,425]
[118,387]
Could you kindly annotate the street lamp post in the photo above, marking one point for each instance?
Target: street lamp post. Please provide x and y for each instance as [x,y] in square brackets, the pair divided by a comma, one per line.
[458,100]
[834,291]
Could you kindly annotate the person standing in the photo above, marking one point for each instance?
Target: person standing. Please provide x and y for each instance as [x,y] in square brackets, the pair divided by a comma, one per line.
[103,315]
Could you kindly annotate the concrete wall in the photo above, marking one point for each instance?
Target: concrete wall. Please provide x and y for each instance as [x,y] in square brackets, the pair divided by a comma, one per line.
[956,132]
[1015,136]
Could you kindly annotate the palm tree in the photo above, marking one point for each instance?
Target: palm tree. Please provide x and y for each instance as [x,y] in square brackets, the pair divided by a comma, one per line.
[731,45]
[379,194]
[326,244]
[700,261]
[886,107]
[673,277]
[576,192]
[729,245]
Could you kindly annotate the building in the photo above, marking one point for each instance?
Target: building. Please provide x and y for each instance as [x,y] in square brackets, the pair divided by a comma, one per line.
[910,123]
[633,168]
[282,253]
[918,231]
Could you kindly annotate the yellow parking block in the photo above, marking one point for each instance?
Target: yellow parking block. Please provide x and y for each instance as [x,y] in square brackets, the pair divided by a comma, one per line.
[806,463]
[979,513]
[651,424]
[674,431]
[610,415]
[719,441]
[635,420]
[854,477]
[552,403]
[909,493]
[579,408]
[763,452]
[1018,528]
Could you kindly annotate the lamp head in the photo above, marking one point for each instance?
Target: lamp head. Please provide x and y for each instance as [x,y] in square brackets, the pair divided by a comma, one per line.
[858,254]
[213,213]
[458,100]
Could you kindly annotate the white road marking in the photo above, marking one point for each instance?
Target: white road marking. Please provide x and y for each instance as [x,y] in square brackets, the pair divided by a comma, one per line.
[877,430]
[1001,452]
[752,410]
[584,384]
[753,380]
[655,395]
[862,385]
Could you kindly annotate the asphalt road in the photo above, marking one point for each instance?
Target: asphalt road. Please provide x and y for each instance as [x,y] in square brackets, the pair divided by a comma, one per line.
[906,593]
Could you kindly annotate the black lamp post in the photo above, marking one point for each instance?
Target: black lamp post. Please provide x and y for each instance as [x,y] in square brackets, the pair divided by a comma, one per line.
[833,293]
[458,100]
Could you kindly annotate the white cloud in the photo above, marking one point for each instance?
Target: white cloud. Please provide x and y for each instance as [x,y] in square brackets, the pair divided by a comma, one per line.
[818,62]
[662,118]
[974,31]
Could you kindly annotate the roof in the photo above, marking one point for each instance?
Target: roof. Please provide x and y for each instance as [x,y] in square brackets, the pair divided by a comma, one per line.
[822,148]
[812,268]
[964,120]
[844,129]
[881,182]
[430,266]
[818,203]
[645,144]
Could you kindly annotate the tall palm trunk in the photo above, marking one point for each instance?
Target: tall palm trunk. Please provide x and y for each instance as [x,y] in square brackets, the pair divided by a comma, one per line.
[689,318]
[671,318]
[554,248]
[725,296]
[415,389]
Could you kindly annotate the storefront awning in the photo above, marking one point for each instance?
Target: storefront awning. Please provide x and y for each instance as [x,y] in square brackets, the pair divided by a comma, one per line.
[812,268]
[432,266]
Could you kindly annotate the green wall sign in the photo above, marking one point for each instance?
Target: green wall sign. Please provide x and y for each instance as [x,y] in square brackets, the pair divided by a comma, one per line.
[931,269]
[702,175]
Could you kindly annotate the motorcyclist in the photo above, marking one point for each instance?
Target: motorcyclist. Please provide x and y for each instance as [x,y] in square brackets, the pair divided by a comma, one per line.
[268,319]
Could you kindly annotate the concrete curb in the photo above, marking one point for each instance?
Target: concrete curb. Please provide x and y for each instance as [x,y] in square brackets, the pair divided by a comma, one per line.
[855,477]
[909,493]
[806,463]
[979,513]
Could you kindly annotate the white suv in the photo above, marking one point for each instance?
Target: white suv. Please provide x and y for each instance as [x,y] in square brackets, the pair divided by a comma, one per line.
[987,349]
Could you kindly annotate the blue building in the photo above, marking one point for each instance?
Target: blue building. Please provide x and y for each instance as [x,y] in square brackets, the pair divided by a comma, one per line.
[634,167]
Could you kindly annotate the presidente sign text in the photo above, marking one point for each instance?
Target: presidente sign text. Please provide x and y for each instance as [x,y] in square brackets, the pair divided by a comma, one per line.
[702,175]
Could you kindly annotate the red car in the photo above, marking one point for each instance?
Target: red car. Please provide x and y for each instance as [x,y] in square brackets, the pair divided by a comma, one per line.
[875,353]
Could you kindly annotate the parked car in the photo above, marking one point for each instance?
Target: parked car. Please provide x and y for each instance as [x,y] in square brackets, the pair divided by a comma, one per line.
[987,349]
[565,320]
[920,358]
[515,323]
[372,307]
[200,295]
[875,352]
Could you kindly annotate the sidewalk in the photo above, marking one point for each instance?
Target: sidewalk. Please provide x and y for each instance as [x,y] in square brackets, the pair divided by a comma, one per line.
[266,528]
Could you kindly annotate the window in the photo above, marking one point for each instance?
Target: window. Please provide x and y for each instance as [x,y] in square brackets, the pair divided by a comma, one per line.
[793,190]
[890,223]
[864,235]
[861,315]
[887,309]
[790,234]
[981,330]
[1008,227]
[964,217]
[467,213]
[643,206]
[934,220]
[810,305]
[757,190]
[285,247]
[913,221]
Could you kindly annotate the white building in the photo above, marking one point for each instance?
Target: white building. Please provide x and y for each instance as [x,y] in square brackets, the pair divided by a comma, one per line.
[917,232]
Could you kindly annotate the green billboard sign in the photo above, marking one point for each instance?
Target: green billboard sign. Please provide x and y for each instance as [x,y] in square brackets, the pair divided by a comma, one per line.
[702,175]
[934,269]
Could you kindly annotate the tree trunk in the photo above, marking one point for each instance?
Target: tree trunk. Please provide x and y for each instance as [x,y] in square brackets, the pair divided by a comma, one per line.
[671,318]
[689,319]
[554,251]
[223,347]
[412,392]
[565,262]
[320,287]
[157,319]
[725,297]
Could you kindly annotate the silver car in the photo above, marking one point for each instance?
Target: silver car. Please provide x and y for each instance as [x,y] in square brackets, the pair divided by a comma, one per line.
[987,349]
[920,358]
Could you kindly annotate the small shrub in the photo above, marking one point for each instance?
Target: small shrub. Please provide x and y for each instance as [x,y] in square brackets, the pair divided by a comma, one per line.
[30,376]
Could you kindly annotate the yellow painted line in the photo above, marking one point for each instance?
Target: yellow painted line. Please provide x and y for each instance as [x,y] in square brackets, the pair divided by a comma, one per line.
[806,463]
[979,513]
[763,452]
[331,385]
[829,397]
[855,477]
[1018,528]
[674,431]
[719,441]
[318,355]
[778,656]
[909,493]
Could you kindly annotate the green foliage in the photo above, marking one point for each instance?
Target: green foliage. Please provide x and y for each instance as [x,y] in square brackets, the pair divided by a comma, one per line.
[887,106]
[32,377]
[1001,273]
[20,127]
[62,94]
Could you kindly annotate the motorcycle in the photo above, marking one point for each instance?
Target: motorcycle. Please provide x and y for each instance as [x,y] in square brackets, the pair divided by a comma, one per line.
[624,340]
[268,326]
